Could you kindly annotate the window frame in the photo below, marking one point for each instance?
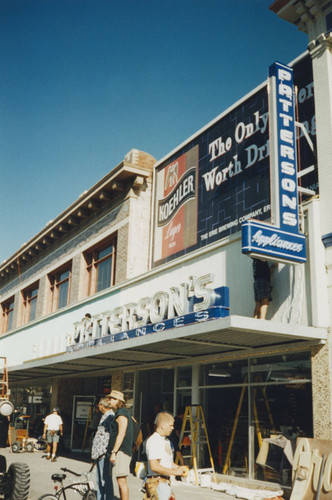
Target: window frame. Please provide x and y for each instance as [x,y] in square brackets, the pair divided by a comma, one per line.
[28,299]
[7,314]
[56,281]
[93,262]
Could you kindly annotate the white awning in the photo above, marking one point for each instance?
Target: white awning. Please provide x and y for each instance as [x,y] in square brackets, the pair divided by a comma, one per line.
[219,339]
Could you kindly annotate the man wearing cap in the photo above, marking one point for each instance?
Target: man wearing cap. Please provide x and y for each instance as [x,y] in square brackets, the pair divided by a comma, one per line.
[122,442]
[53,428]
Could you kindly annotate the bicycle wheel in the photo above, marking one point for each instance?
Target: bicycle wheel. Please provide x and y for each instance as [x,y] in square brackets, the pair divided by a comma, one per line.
[48,496]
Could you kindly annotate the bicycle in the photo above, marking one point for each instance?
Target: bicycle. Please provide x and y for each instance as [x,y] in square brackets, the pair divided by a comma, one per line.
[84,488]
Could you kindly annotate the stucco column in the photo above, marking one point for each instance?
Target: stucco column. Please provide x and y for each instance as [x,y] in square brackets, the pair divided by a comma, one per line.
[320,47]
[321,391]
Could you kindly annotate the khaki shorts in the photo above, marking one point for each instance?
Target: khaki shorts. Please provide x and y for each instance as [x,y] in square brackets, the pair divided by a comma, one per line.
[53,436]
[121,466]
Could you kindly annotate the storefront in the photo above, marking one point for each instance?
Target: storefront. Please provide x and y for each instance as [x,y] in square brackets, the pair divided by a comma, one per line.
[247,393]
[158,302]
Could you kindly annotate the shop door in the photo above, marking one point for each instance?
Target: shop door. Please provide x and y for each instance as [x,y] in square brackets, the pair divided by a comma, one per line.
[83,407]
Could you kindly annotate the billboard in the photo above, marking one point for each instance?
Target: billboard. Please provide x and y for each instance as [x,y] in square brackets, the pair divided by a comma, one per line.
[176,212]
[220,177]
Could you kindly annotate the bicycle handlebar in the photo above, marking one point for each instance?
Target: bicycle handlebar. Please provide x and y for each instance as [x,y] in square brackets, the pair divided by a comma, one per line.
[71,471]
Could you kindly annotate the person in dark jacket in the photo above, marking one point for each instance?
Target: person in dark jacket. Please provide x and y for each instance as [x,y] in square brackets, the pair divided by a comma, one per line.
[262,287]
[121,448]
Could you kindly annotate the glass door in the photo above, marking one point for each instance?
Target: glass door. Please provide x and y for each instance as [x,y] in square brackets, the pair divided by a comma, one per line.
[83,407]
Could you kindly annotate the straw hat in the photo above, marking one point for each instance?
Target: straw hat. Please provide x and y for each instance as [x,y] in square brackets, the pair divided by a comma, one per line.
[117,395]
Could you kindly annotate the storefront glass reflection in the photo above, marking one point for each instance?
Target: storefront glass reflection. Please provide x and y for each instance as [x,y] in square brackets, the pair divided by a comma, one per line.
[253,403]
[35,401]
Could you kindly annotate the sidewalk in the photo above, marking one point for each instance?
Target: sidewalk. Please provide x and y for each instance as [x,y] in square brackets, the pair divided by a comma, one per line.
[42,469]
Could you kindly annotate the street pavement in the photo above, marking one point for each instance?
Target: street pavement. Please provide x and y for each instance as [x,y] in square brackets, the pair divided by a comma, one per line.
[42,469]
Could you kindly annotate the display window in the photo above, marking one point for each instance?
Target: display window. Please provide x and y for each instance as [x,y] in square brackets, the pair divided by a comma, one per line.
[254,411]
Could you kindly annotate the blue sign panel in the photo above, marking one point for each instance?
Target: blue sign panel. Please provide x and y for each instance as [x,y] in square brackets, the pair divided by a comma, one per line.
[281,239]
[259,239]
[283,138]
[209,314]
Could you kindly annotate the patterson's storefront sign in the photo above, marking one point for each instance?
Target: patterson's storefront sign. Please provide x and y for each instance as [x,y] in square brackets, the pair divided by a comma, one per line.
[194,301]
[282,240]
[220,178]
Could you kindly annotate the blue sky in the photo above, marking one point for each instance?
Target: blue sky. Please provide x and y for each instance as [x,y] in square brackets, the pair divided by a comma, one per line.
[84,81]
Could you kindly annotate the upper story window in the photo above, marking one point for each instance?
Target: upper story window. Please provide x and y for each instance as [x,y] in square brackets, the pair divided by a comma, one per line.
[7,312]
[30,296]
[60,287]
[100,267]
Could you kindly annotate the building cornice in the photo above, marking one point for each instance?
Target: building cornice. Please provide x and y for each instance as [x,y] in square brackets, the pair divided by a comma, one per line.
[135,170]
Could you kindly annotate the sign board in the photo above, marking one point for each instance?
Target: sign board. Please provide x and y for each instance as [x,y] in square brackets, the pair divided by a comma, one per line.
[82,410]
[220,177]
[270,242]
[194,301]
[312,470]
[285,213]
[282,240]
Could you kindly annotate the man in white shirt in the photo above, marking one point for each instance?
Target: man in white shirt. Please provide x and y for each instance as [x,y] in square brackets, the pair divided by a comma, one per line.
[160,459]
[53,428]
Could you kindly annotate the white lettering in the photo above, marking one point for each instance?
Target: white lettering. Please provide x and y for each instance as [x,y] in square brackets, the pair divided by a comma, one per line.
[177,322]
[202,292]
[140,331]
[285,90]
[287,168]
[287,136]
[275,241]
[159,304]
[201,316]
[218,148]
[265,118]
[216,177]
[289,219]
[159,327]
[289,202]
[284,74]
[184,191]
[286,119]
[288,185]
[285,105]
[163,305]
[287,152]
